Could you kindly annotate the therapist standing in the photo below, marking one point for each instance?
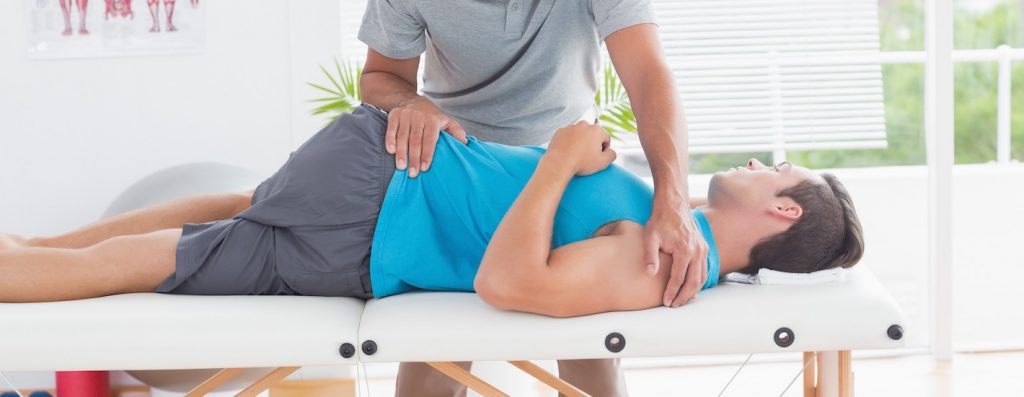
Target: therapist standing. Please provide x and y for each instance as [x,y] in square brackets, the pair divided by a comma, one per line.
[512,72]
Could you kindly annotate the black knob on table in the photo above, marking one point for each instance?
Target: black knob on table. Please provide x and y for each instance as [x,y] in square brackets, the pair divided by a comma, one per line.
[615,342]
[895,332]
[784,337]
[369,347]
[347,350]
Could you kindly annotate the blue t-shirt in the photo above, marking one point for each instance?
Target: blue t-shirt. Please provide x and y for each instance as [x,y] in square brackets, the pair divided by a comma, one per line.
[432,230]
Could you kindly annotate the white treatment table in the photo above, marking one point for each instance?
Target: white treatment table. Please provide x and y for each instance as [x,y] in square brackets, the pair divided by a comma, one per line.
[825,321]
[156,331]
[162,331]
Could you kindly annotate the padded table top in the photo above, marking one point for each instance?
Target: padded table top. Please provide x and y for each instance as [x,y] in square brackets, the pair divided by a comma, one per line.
[854,313]
[162,331]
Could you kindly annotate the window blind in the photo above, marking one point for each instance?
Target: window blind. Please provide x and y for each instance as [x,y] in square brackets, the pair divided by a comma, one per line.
[775,75]
[352,50]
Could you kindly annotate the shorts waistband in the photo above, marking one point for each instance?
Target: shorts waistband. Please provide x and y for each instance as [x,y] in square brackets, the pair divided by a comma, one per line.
[380,113]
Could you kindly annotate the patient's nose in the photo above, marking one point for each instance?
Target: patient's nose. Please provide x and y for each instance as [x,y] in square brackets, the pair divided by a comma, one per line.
[754,164]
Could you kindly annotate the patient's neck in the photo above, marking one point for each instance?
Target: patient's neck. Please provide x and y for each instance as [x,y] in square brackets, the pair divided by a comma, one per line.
[735,235]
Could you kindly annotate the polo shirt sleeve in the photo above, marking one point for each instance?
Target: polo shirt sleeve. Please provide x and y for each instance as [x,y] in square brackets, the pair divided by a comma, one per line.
[390,28]
[614,15]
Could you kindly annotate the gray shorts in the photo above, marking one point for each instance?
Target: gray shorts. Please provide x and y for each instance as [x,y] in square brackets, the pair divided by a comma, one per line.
[310,227]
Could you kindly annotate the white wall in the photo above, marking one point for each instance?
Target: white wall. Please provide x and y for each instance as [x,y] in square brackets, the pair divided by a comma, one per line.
[74,133]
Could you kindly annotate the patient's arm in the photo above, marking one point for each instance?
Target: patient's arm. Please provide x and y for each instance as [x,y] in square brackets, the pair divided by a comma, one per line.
[596,275]
[519,271]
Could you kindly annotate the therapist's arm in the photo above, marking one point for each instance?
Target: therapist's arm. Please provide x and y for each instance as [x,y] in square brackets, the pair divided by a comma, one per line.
[637,56]
[414,123]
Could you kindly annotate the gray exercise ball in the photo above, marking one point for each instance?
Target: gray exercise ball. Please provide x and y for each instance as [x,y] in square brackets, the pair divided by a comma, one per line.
[183,180]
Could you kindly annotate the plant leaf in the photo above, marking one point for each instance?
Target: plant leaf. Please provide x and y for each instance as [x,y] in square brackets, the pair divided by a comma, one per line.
[614,110]
[345,95]
[324,89]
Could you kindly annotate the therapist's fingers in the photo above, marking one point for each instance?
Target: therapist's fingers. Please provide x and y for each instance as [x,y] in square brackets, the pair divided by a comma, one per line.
[652,245]
[456,131]
[703,273]
[690,286]
[679,273]
[392,131]
[430,138]
[402,144]
[415,146]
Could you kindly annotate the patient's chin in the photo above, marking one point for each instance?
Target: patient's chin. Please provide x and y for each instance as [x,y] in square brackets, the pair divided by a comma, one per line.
[716,179]
[716,187]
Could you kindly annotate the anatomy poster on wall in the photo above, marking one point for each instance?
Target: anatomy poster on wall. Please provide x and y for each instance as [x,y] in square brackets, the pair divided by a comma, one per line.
[105,28]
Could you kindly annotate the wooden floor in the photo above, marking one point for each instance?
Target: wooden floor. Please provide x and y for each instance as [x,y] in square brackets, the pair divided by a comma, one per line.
[969,375]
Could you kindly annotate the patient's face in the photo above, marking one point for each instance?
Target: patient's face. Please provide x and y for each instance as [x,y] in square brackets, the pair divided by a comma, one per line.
[755,184]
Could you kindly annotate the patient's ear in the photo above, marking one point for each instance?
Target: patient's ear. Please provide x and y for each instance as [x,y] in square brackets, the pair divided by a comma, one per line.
[787,209]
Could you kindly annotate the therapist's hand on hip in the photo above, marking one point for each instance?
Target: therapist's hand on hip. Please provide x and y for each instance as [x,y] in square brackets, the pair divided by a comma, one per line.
[413,131]
[671,229]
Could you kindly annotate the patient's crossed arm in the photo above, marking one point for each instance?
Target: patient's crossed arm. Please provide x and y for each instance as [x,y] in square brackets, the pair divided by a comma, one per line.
[520,272]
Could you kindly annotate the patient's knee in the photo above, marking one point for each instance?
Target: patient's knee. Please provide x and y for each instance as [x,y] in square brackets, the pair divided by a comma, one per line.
[242,200]
[135,263]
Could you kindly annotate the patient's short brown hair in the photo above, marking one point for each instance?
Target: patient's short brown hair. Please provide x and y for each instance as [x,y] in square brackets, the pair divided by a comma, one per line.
[827,235]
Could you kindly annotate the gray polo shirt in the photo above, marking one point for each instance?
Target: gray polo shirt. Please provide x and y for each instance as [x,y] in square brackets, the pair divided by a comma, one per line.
[509,71]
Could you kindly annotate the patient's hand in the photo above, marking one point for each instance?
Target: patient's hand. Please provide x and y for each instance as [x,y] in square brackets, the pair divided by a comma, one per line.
[413,131]
[584,147]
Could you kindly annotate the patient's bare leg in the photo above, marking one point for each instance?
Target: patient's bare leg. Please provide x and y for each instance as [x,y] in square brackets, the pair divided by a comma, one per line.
[123,264]
[167,215]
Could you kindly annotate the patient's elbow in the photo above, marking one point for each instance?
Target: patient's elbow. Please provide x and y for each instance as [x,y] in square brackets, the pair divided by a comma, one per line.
[502,296]
[558,311]
[493,292]
[505,294]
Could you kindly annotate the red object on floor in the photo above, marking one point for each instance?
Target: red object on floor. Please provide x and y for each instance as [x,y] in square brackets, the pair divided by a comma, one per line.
[83,384]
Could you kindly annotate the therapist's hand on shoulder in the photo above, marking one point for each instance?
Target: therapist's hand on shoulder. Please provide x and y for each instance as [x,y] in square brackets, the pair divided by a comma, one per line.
[672,230]
[413,131]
